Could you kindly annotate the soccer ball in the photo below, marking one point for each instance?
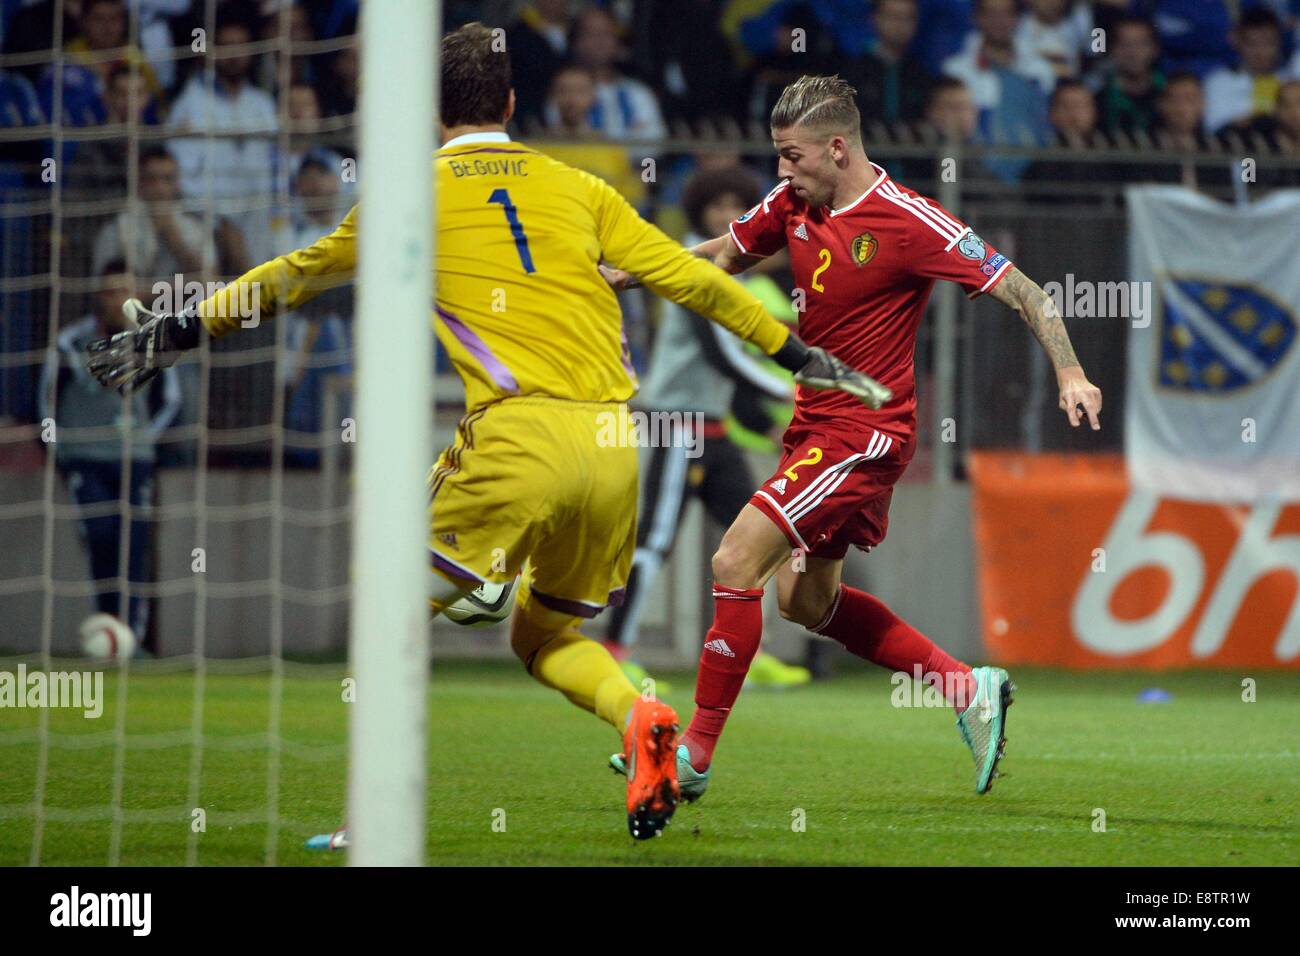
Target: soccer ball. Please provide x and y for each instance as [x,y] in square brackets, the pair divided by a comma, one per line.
[105,638]
[486,605]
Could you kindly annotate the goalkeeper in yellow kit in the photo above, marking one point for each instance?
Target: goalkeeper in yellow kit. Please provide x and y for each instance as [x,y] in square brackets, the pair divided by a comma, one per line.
[536,473]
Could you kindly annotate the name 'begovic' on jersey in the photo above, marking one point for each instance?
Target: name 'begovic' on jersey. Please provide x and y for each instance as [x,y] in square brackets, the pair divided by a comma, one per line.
[866,271]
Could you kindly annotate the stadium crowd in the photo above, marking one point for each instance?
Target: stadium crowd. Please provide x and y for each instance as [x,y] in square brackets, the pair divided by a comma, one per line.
[994,71]
[198,137]
[1186,74]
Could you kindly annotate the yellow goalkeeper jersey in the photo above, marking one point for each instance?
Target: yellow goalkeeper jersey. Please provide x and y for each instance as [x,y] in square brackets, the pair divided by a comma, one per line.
[520,305]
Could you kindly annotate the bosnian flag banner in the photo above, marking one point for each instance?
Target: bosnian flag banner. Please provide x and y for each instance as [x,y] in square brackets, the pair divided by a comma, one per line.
[1213,405]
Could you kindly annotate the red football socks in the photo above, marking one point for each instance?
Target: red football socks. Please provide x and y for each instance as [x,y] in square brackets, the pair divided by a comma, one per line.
[729,649]
[869,629]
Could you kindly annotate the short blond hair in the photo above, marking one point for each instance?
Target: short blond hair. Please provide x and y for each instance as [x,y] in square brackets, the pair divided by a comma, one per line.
[823,103]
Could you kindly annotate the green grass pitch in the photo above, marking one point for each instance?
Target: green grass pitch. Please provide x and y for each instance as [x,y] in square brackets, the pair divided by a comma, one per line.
[517,775]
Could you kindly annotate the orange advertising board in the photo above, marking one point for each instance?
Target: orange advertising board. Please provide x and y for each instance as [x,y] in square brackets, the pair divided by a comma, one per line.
[1077,568]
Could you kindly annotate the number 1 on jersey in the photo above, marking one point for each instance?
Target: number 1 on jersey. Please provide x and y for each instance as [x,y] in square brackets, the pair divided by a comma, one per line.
[516,228]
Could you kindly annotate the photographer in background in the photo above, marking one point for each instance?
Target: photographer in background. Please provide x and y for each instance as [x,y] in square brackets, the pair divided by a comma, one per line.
[98,464]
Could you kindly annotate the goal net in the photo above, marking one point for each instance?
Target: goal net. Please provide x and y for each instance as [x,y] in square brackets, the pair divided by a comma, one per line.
[156,150]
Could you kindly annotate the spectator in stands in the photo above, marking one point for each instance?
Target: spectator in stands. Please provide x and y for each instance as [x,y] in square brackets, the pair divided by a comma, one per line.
[304,114]
[1282,130]
[100,44]
[154,237]
[19,106]
[31,29]
[538,41]
[303,107]
[156,40]
[1106,13]
[1059,31]
[625,108]
[799,45]
[318,201]
[103,30]
[1233,97]
[81,102]
[1182,114]
[1182,129]
[991,58]
[98,472]
[950,110]
[1008,84]
[570,105]
[338,91]
[892,85]
[839,23]
[99,170]
[1126,102]
[334,18]
[1073,115]
[947,23]
[318,336]
[23,239]
[950,117]
[238,167]
[127,94]
[1193,33]
[568,112]
[303,67]
[692,60]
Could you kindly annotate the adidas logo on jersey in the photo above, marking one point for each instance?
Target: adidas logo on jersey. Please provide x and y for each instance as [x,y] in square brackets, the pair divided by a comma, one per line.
[719,646]
[801,231]
[779,485]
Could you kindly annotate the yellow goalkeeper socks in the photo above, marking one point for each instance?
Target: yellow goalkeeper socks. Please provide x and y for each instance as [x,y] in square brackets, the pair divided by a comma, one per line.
[583,671]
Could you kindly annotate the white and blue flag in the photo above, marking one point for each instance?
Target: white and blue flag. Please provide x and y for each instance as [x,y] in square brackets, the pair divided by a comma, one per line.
[1213,405]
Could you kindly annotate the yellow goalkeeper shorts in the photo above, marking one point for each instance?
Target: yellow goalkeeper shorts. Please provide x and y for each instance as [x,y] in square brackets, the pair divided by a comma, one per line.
[543,480]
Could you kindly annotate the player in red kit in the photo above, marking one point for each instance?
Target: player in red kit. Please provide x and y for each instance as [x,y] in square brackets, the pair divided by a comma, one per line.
[865,251]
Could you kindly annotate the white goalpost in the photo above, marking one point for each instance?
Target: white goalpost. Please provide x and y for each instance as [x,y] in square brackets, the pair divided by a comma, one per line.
[393,420]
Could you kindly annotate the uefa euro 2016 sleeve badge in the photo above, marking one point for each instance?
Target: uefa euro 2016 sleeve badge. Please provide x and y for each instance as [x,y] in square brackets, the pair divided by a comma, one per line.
[972,247]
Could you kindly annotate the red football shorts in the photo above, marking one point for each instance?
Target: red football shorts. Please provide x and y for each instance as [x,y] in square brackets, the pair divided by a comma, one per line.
[832,487]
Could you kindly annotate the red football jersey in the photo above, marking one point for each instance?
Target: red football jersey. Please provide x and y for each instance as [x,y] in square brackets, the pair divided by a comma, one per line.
[866,271]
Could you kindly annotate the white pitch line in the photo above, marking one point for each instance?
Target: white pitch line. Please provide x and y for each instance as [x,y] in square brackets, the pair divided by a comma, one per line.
[1278,755]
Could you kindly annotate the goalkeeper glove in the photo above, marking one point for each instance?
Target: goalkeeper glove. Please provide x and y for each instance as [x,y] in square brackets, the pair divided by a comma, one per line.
[129,359]
[816,368]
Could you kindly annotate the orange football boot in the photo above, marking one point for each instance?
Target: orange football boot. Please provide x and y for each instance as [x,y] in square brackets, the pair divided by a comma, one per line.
[650,749]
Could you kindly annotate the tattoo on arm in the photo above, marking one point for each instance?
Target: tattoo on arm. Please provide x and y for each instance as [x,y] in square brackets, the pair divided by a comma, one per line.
[1040,313]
